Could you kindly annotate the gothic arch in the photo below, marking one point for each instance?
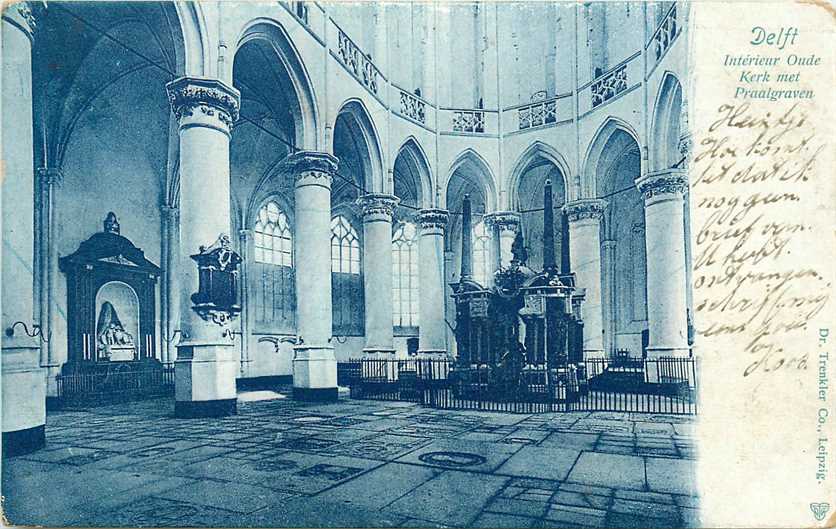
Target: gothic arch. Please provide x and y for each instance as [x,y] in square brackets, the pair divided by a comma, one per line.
[591,170]
[364,133]
[303,106]
[198,56]
[416,159]
[534,151]
[478,171]
[666,123]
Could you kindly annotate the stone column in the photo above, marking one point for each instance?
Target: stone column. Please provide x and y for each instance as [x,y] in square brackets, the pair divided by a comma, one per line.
[585,256]
[507,224]
[432,328]
[314,363]
[245,239]
[663,192]
[377,273]
[206,364]
[608,294]
[23,379]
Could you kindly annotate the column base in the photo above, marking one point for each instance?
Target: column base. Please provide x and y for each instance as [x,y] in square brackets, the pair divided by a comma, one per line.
[594,354]
[314,368]
[316,394]
[655,352]
[21,442]
[654,369]
[435,363]
[204,380]
[193,409]
[23,400]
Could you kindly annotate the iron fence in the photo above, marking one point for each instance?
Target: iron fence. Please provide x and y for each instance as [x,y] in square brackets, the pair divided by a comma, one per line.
[661,385]
[115,385]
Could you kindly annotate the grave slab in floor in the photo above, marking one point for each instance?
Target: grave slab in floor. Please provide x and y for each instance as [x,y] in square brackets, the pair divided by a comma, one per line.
[353,463]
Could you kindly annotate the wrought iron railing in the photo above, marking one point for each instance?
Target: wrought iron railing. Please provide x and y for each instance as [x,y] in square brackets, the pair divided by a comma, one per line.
[357,62]
[466,120]
[114,385]
[413,107]
[609,85]
[537,114]
[661,385]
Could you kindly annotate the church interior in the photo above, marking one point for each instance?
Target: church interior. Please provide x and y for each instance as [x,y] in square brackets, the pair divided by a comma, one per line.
[208,197]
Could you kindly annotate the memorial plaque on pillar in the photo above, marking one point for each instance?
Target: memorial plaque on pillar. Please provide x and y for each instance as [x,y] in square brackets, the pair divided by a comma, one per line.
[217,297]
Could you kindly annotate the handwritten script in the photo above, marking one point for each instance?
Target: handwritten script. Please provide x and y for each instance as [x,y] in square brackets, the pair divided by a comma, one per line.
[752,173]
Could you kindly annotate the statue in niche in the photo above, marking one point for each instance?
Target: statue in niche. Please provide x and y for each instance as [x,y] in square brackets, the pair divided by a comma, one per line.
[111,224]
[111,336]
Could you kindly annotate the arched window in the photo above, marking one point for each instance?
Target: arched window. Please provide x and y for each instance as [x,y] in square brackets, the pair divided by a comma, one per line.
[272,281]
[273,242]
[481,253]
[345,246]
[348,310]
[405,276]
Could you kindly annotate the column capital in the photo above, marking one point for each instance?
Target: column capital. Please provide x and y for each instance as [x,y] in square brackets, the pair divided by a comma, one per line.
[378,206]
[199,101]
[672,182]
[312,167]
[585,208]
[608,244]
[504,220]
[51,176]
[433,219]
[21,16]
[170,212]
[245,235]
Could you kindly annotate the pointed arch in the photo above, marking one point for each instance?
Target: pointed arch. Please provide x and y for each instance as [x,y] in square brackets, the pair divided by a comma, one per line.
[477,170]
[354,114]
[535,151]
[666,122]
[589,175]
[198,57]
[414,156]
[303,107]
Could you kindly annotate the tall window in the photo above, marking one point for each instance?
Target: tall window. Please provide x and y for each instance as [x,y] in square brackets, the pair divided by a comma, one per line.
[481,253]
[272,280]
[346,281]
[345,246]
[405,276]
[272,236]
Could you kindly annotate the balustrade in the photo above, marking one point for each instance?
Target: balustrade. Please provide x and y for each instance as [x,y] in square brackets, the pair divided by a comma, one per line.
[536,114]
[468,121]
[609,85]
[413,108]
[665,34]
[357,62]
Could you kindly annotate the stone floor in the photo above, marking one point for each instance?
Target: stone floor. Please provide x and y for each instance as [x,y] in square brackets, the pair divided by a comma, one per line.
[280,463]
